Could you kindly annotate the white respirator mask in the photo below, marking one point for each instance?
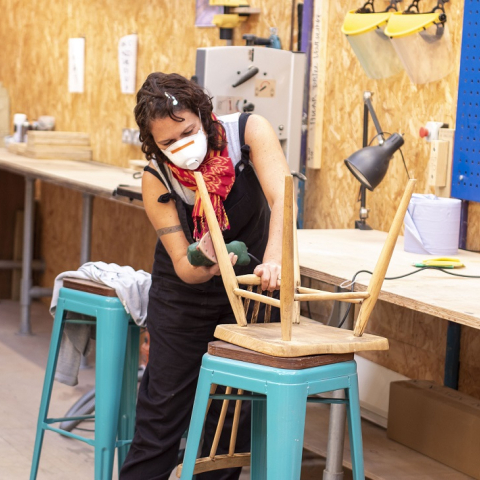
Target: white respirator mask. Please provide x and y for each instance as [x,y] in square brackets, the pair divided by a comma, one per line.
[189,152]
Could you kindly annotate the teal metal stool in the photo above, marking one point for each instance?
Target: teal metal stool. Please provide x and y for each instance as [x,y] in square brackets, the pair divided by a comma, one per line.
[116,371]
[279,395]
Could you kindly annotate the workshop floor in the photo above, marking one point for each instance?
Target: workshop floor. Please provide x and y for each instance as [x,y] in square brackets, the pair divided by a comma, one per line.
[23,360]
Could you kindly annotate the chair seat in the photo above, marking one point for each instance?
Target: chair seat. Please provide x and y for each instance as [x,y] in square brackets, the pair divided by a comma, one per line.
[234,352]
[308,338]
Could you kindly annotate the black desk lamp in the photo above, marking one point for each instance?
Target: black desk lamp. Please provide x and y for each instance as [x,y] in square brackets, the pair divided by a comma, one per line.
[369,165]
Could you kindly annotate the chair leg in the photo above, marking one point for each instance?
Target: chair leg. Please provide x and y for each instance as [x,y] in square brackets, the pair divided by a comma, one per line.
[355,428]
[112,328]
[126,421]
[286,410]
[196,424]
[48,385]
[258,463]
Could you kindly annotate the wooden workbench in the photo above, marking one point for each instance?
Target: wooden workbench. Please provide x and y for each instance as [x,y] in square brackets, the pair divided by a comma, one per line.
[334,256]
[93,178]
[89,178]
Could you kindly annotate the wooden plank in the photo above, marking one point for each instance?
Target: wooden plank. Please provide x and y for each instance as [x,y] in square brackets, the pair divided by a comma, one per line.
[382,264]
[287,291]
[318,76]
[227,350]
[308,338]
[50,138]
[89,287]
[226,267]
[48,152]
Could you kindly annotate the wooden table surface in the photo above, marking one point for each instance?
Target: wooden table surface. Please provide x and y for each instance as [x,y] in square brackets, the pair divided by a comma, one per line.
[333,256]
[93,178]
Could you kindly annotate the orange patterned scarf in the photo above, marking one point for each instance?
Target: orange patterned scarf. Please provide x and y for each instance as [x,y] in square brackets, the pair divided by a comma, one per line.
[219,175]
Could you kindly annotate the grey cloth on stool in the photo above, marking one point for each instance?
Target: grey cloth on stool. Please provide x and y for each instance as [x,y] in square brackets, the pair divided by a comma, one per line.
[131,287]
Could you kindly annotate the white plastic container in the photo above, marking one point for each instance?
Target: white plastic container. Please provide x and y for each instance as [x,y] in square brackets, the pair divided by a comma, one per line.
[432,225]
[19,130]
[423,44]
[374,50]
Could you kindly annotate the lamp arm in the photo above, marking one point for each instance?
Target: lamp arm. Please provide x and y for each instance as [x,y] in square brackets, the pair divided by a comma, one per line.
[367,98]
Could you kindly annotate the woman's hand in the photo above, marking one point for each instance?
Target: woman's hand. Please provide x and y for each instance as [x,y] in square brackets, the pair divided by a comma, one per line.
[269,272]
[215,269]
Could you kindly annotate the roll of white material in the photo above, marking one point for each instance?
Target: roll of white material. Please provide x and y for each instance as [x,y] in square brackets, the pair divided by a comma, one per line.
[432,225]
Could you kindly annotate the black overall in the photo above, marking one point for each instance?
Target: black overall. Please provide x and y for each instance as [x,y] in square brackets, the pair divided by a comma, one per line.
[181,320]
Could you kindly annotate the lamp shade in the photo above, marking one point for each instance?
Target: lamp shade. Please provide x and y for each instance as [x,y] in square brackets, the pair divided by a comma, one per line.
[370,164]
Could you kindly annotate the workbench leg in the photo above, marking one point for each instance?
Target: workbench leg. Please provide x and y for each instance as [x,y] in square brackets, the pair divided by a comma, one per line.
[452,355]
[85,243]
[28,219]
[86,228]
[336,439]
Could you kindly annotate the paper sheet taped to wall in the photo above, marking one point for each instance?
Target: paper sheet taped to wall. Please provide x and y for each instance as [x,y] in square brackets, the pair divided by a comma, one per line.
[127,62]
[76,65]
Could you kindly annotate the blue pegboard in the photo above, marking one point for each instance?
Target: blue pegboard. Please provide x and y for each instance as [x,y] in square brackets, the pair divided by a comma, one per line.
[466,153]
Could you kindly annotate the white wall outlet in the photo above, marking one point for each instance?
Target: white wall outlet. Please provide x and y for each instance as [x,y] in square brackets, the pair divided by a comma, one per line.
[431,131]
[126,135]
[135,137]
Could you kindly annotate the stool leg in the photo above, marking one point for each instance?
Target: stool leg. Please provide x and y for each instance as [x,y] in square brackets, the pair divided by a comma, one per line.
[48,385]
[112,331]
[196,423]
[258,463]
[126,421]
[286,410]
[355,428]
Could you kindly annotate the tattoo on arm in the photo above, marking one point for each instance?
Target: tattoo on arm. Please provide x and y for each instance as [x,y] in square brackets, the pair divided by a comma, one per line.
[164,231]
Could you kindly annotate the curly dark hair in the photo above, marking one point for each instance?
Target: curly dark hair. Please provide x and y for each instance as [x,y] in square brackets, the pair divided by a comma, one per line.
[154,101]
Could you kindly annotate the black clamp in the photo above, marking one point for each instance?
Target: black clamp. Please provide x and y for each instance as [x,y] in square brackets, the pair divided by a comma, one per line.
[393,5]
[368,7]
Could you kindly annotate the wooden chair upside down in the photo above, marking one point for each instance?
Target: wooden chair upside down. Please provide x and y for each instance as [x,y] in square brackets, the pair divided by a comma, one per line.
[295,343]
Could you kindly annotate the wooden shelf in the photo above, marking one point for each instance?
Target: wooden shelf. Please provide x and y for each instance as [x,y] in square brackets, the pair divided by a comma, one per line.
[384,459]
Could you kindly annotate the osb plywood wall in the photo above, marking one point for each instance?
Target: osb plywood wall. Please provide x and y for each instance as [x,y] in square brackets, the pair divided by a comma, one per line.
[34,69]
[401,106]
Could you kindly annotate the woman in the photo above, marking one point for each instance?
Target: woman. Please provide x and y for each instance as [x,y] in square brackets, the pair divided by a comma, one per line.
[244,168]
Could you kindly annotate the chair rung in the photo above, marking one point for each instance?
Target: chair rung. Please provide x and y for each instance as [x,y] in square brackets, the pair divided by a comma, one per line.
[225,396]
[90,442]
[327,400]
[82,322]
[262,398]
[219,462]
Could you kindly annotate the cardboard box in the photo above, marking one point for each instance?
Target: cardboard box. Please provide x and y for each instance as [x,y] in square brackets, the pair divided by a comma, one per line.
[436,421]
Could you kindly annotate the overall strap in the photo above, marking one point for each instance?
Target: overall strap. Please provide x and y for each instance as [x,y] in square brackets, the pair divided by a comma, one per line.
[242,123]
[161,175]
[245,149]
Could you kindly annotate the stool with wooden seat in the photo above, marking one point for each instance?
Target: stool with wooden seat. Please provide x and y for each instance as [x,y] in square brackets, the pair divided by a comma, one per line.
[116,371]
[284,364]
